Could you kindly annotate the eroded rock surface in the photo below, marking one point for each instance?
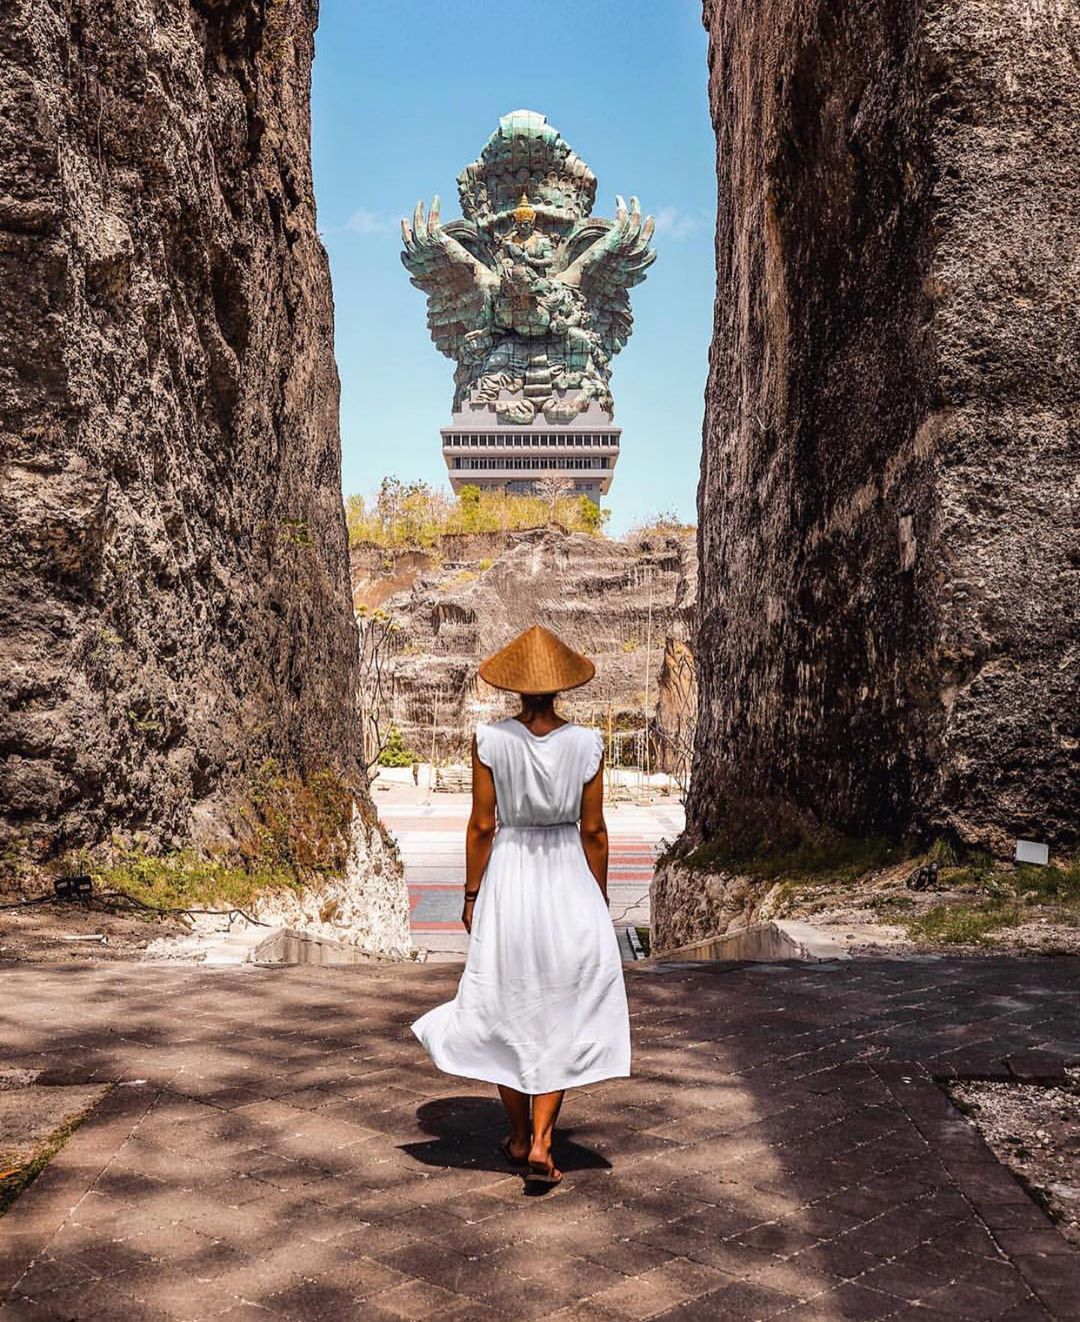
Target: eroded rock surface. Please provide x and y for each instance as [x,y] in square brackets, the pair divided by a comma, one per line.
[888,565]
[687,904]
[175,596]
[606,598]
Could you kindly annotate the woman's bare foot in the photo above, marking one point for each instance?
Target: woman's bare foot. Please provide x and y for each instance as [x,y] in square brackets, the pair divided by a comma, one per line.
[542,1164]
[515,1149]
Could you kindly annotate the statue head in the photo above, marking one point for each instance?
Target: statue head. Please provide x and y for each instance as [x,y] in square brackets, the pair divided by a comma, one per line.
[526,154]
[524,216]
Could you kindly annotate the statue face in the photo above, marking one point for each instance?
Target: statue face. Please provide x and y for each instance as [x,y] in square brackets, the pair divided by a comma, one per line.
[525,228]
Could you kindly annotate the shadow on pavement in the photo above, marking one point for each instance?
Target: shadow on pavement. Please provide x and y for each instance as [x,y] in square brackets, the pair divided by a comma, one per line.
[467,1132]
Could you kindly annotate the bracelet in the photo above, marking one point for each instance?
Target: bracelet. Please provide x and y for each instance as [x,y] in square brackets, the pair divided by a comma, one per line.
[471,895]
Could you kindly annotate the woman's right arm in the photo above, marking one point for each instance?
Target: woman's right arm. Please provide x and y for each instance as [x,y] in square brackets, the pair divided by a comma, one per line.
[594,836]
[479,834]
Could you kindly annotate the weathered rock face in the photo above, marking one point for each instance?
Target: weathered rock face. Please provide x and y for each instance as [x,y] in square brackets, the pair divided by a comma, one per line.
[175,602]
[688,904]
[606,598]
[888,576]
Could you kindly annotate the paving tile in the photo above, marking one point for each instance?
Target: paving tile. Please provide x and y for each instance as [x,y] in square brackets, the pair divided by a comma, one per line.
[736,1301]
[174,1292]
[628,1256]
[780,1238]
[95,1300]
[24,1310]
[1054,1278]
[417,1299]
[312,1301]
[781,1150]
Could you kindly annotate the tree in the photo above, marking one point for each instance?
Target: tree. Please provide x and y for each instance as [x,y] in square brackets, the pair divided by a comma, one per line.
[590,516]
[551,489]
[469,506]
[376,630]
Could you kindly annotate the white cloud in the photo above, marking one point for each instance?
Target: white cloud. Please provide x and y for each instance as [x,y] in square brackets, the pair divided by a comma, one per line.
[366,223]
[675,224]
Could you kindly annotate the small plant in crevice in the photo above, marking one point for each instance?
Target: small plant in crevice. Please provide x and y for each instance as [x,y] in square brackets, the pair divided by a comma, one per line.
[395,753]
[296,532]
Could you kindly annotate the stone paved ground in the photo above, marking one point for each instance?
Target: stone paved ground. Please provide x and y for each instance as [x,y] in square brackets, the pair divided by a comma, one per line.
[277,1146]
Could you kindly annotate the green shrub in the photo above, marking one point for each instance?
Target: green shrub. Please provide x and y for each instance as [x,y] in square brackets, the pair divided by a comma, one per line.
[416,514]
[394,753]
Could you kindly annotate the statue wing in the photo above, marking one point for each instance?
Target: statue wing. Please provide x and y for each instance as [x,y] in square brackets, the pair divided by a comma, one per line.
[605,259]
[446,265]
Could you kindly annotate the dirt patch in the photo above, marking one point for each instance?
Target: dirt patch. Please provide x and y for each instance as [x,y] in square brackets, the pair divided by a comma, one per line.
[878,913]
[61,933]
[1034,1130]
[35,1122]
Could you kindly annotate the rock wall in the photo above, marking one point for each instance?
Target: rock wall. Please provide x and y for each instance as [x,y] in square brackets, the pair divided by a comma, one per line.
[688,904]
[175,601]
[593,592]
[888,567]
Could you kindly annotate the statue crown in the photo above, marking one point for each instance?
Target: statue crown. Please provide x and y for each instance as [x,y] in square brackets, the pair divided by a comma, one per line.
[526,158]
[523,211]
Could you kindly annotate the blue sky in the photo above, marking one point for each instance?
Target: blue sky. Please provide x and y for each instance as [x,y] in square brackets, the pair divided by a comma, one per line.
[404,96]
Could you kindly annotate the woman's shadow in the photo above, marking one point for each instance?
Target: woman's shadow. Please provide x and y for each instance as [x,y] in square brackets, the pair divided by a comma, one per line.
[467,1131]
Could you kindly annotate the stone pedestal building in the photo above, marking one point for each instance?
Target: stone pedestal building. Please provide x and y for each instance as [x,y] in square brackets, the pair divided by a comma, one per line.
[481,450]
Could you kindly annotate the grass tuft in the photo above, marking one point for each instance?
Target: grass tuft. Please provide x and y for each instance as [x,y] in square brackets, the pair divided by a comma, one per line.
[1007,896]
[782,848]
[961,924]
[185,879]
[12,1185]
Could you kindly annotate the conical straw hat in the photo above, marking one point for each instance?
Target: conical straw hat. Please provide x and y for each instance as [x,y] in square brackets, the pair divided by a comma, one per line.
[537,662]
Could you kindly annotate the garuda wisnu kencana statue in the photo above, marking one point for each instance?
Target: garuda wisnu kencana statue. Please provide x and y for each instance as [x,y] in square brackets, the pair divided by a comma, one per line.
[529,293]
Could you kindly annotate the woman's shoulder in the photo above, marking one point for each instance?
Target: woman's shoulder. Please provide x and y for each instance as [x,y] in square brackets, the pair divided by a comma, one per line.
[487,737]
[492,729]
[491,733]
[591,743]
[590,738]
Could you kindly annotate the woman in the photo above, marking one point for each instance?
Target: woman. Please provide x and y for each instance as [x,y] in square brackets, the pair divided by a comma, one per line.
[541,1006]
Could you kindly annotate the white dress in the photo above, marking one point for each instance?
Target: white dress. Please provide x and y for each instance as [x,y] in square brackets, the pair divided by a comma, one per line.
[541,1005]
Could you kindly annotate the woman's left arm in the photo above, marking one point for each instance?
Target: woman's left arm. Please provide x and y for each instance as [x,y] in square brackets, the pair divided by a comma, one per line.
[479,834]
[594,836]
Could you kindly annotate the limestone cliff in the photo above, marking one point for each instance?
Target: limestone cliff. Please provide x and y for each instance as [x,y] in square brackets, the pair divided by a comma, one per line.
[888,572]
[175,597]
[627,604]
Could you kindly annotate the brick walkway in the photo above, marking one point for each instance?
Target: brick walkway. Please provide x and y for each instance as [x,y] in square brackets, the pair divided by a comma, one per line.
[278,1147]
